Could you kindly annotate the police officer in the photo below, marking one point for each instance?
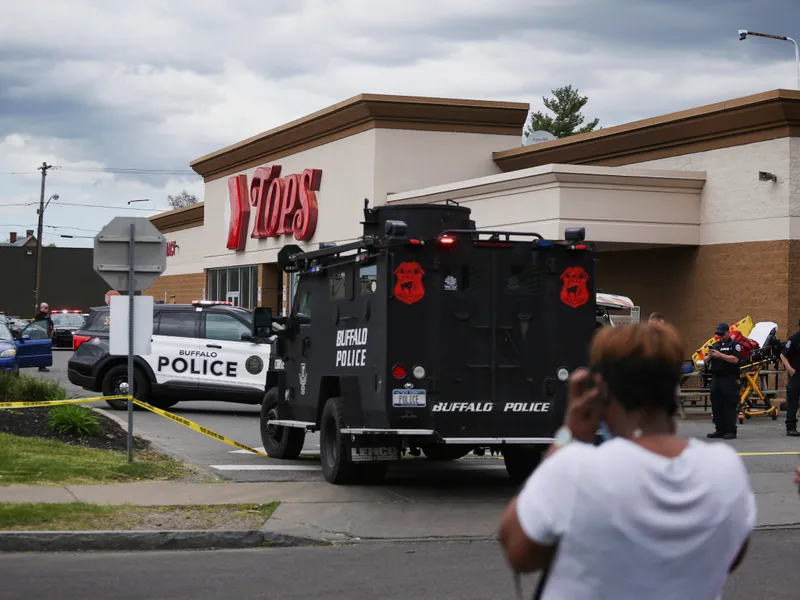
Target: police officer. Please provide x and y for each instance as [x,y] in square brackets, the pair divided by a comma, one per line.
[724,356]
[790,356]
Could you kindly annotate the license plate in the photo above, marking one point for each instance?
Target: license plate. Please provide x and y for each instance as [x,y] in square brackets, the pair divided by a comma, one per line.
[409,399]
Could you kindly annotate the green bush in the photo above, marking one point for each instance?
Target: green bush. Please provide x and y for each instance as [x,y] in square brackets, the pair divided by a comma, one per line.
[8,382]
[32,389]
[73,419]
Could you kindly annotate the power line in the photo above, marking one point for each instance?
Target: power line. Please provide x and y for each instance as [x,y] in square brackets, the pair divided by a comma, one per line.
[78,204]
[50,226]
[126,170]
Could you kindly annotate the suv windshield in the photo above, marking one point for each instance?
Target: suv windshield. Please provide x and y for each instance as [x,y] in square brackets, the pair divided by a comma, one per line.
[67,320]
[5,334]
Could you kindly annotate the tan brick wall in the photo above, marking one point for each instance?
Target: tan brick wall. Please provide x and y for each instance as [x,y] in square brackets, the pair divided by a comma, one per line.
[268,277]
[695,288]
[179,289]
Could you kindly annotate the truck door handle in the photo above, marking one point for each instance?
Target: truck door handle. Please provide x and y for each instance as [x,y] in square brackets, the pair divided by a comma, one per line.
[214,346]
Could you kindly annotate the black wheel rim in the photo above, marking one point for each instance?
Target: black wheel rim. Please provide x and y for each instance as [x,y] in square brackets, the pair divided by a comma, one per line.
[274,432]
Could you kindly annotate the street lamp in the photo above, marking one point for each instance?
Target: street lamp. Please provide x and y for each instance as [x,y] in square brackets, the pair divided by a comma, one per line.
[743,33]
[139,200]
[38,276]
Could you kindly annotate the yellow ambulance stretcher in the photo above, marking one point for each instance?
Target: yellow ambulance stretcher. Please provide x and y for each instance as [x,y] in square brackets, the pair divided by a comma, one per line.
[755,387]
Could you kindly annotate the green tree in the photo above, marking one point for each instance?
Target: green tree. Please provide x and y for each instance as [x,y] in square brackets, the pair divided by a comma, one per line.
[566,105]
[51,245]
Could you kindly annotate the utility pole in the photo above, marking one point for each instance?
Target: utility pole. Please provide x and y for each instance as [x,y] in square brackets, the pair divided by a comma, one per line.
[38,275]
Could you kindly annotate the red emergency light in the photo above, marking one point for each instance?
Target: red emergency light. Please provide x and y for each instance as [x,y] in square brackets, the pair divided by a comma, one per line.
[447,240]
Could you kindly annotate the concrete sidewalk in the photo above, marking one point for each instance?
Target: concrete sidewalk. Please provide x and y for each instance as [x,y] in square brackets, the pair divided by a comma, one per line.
[322,511]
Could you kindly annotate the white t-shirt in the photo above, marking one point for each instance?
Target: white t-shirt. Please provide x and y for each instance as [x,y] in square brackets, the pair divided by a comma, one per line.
[631,524]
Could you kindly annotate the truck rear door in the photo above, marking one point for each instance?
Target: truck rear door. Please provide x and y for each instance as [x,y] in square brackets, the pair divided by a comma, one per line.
[502,322]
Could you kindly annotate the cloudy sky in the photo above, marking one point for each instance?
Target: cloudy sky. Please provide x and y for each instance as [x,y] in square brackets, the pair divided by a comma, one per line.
[101,87]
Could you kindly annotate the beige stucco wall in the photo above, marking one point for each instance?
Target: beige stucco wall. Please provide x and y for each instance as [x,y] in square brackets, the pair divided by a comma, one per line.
[613,204]
[191,251]
[735,205]
[365,165]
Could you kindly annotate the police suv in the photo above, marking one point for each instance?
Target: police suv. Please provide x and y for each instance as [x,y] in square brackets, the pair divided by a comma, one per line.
[200,351]
[427,336]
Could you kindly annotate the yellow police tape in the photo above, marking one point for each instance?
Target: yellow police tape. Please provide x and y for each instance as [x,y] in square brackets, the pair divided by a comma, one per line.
[58,402]
[185,422]
[225,440]
[199,428]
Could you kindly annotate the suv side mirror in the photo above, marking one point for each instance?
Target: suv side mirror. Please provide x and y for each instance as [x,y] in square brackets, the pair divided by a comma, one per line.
[262,322]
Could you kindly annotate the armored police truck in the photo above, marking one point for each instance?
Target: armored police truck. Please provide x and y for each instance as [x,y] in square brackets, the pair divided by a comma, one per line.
[427,336]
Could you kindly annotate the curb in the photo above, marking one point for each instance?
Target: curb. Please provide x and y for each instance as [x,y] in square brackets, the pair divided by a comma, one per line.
[76,541]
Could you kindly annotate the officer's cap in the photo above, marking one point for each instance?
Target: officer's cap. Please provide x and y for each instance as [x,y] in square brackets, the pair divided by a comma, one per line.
[722,329]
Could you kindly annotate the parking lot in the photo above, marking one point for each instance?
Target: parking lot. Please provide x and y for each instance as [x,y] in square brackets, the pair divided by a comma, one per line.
[770,456]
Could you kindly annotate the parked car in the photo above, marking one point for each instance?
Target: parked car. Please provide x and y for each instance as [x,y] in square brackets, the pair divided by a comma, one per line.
[32,347]
[65,323]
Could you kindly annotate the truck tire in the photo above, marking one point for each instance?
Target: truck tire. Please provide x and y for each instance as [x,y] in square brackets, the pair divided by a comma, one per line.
[337,465]
[279,441]
[521,461]
[445,451]
[118,375]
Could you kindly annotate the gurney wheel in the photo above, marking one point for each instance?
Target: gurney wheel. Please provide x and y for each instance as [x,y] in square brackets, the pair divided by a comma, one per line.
[746,416]
[774,415]
[741,419]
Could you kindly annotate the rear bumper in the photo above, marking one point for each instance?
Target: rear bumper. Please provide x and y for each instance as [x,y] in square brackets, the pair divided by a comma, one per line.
[87,382]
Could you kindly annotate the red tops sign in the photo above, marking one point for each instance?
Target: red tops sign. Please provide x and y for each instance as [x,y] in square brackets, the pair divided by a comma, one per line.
[283,205]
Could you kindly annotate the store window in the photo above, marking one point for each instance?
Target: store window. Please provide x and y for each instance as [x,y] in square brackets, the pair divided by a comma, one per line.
[238,285]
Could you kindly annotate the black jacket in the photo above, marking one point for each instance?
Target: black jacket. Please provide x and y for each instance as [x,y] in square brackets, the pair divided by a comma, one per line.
[43,316]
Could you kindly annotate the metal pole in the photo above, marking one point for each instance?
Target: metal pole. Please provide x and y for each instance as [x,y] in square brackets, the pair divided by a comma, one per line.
[38,275]
[130,342]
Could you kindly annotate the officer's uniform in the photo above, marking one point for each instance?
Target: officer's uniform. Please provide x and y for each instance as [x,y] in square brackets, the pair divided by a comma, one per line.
[724,391]
[792,353]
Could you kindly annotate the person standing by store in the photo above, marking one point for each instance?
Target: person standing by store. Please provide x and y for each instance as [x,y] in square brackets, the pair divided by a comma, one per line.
[790,357]
[44,315]
[724,355]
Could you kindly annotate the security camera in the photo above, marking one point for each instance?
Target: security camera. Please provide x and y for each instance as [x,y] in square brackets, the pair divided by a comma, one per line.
[743,34]
[764,176]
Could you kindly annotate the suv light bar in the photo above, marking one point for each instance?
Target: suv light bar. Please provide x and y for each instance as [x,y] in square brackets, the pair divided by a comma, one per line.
[210,303]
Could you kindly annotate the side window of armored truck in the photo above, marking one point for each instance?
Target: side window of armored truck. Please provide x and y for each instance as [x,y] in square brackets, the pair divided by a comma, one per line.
[367,280]
[302,303]
[179,324]
[337,285]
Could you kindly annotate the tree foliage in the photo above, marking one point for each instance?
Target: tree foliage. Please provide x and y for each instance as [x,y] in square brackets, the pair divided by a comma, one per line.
[566,105]
[181,200]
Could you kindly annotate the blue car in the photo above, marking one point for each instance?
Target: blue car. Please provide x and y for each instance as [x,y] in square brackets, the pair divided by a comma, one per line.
[31,348]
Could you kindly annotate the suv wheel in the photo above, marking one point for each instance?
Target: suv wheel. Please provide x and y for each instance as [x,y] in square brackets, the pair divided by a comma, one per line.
[521,461]
[279,441]
[115,384]
[337,465]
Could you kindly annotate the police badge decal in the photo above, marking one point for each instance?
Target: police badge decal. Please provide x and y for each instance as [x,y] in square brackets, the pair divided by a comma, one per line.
[254,365]
[574,293]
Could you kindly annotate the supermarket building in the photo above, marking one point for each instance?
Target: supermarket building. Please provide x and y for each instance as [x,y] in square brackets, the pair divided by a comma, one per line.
[696,214]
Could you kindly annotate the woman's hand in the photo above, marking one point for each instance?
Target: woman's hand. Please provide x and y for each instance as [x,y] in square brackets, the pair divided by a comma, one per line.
[585,409]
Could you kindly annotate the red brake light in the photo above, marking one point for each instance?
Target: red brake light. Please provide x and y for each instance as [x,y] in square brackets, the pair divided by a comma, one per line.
[399,372]
[77,340]
[447,240]
[580,247]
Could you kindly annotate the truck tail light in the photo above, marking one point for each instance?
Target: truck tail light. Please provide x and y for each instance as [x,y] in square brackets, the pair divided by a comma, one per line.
[399,372]
[447,240]
[77,340]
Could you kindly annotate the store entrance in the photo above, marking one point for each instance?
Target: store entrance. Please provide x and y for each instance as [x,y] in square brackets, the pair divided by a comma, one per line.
[233,298]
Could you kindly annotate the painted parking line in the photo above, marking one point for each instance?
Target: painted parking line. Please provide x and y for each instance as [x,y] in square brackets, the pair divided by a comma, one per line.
[787,453]
[267,467]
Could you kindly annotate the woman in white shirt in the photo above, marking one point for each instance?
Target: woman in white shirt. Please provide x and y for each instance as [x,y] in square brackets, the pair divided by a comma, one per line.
[645,515]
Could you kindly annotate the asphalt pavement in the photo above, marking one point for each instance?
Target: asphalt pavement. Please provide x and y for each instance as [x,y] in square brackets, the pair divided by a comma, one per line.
[425,571]
[770,456]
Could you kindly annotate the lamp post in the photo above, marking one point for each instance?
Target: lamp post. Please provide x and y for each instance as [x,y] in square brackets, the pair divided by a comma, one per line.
[743,33]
